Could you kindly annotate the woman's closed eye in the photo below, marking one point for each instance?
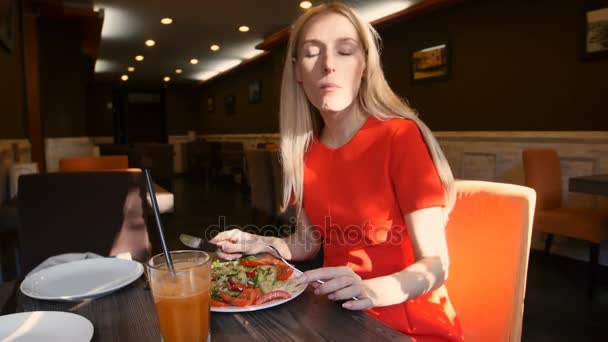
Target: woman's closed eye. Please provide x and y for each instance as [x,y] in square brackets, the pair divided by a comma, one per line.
[347,49]
[312,51]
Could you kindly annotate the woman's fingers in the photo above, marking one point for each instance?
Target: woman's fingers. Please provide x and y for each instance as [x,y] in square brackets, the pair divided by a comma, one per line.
[345,293]
[361,304]
[228,247]
[335,284]
[324,273]
[228,256]
[229,235]
[341,283]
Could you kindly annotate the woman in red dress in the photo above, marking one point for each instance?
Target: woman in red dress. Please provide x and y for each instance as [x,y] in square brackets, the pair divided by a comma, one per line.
[370,182]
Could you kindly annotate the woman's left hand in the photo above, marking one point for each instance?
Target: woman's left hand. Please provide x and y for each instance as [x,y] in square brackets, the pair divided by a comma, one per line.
[341,283]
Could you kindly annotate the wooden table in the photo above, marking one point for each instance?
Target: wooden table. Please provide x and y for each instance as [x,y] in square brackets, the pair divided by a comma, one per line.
[129,315]
[594,184]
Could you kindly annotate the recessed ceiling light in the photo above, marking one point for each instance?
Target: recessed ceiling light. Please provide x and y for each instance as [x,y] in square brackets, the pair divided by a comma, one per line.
[166,21]
[244,28]
[214,47]
[150,42]
[124,77]
[166,78]
[178,71]
[305,4]
[139,58]
[194,61]
[131,69]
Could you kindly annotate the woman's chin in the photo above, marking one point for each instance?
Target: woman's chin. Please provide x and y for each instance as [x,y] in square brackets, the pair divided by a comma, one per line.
[334,106]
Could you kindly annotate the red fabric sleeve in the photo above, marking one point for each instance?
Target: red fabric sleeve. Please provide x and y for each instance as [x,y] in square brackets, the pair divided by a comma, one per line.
[414,176]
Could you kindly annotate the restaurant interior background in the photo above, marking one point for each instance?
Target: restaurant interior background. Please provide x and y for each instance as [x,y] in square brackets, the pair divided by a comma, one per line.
[517,76]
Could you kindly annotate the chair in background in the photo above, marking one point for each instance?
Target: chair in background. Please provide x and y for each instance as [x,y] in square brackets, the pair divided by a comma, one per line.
[488,235]
[200,158]
[543,173]
[99,212]
[77,164]
[158,157]
[232,160]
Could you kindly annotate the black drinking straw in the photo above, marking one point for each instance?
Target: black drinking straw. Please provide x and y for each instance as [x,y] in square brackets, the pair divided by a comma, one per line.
[163,241]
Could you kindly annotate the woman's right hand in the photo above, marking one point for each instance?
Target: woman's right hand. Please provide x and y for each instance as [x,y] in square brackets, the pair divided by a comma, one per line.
[234,243]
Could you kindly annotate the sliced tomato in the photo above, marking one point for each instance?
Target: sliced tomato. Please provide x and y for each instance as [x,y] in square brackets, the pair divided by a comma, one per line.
[268,260]
[284,272]
[236,286]
[258,293]
[274,295]
[246,298]
[233,287]
[217,303]
[225,297]
[250,274]
[250,263]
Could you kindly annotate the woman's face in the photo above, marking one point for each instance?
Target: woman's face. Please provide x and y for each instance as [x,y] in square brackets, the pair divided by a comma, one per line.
[330,62]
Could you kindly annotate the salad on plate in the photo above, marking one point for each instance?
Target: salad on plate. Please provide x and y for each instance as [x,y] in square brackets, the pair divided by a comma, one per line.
[252,282]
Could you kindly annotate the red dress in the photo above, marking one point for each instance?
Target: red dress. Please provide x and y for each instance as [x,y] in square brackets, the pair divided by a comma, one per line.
[355,196]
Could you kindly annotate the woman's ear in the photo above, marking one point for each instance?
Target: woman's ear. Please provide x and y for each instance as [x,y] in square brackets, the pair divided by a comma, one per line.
[296,70]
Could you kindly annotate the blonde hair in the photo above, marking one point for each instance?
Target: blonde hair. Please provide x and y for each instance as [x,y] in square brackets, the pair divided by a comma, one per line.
[299,120]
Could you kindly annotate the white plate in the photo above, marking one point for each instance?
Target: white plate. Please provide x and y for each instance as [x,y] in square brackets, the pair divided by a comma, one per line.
[83,279]
[47,326]
[292,288]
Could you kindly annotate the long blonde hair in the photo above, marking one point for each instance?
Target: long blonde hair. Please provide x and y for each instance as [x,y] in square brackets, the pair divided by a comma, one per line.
[299,120]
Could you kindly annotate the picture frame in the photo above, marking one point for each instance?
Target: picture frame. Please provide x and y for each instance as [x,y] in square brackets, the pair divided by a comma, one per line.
[8,15]
[210,104]
[431,62]
[230,104]
[594,40]
[255,92]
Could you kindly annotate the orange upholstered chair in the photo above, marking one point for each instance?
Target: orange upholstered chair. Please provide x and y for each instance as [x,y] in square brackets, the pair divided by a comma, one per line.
[543,174]
[488,235]
[101,163]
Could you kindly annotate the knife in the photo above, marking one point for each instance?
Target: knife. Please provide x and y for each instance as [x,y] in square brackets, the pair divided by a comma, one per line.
[196,242]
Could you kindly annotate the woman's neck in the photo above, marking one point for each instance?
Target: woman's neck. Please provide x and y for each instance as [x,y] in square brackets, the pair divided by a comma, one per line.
[340,127]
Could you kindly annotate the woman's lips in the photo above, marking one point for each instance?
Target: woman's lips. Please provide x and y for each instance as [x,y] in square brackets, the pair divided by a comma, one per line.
[329,86]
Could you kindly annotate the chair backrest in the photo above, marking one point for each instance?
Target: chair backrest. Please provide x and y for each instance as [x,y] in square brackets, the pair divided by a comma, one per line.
[99,212]
[259,173]
[488,235]
[542,173]
[101,163]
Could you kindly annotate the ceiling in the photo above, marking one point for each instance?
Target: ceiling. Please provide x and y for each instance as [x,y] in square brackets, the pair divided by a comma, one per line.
[197,24]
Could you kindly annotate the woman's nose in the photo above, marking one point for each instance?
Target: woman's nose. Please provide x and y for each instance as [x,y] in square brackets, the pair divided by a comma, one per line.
[328,66]
[329,69]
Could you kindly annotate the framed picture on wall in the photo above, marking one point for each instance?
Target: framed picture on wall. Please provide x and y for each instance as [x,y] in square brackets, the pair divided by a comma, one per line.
[8,13]
[230,104]
[255,91]
[595,32]
[210,104]
[431,62]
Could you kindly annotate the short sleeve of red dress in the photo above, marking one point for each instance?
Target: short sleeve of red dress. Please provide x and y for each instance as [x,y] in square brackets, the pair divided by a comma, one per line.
[414,176]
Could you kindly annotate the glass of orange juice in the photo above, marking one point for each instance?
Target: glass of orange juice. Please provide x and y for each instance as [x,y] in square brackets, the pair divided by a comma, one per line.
[182,296]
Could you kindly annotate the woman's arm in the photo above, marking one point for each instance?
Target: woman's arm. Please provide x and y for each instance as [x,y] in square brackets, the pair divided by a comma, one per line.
[426,229]
[303,244]
[427,233]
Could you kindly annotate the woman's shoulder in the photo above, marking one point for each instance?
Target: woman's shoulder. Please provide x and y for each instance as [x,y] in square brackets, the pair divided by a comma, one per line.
[396,126]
